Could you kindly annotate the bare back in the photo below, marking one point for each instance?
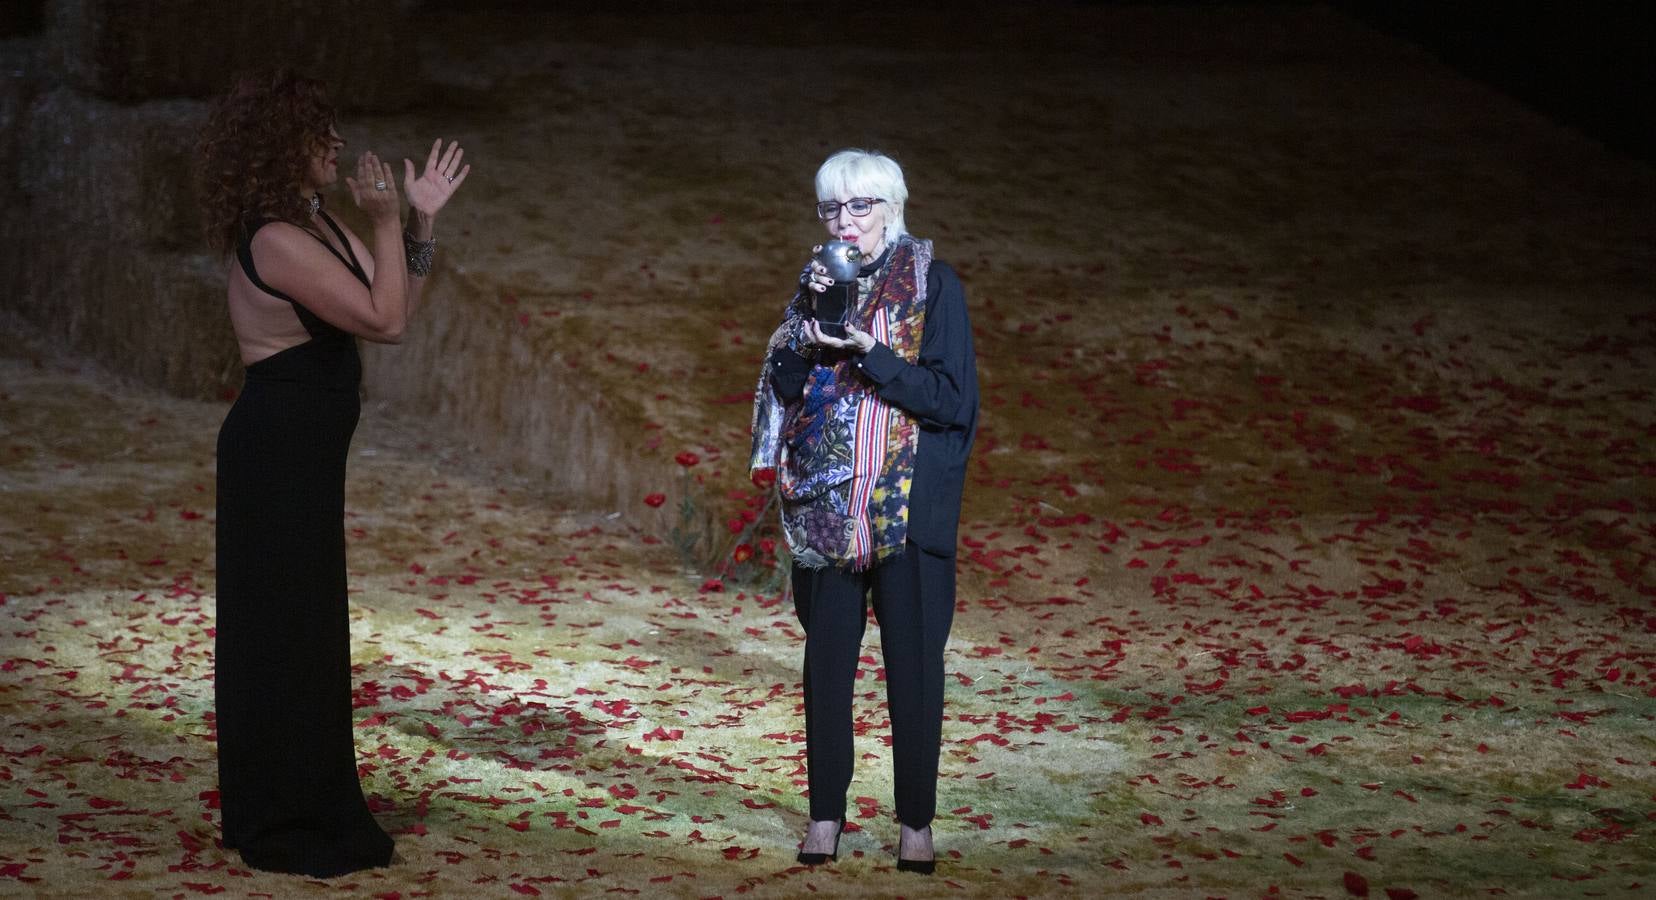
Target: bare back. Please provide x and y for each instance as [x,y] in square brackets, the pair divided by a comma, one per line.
[315,266]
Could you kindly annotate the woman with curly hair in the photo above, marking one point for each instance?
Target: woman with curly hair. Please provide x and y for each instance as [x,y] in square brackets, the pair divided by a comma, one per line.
[302,290]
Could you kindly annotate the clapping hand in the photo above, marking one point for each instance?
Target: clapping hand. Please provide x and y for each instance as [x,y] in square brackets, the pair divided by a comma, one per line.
[443,176]
[374,189]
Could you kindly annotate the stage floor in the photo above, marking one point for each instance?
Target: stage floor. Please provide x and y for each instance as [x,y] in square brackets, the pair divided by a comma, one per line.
[1310,538]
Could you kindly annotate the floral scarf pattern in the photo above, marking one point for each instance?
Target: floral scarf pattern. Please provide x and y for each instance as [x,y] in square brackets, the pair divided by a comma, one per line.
[844,458]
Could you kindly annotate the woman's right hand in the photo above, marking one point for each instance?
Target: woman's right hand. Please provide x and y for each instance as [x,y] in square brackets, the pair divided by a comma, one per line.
[375,190]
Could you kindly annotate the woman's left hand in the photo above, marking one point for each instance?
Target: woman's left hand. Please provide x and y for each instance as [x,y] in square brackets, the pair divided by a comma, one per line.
[855,338]
[443,176]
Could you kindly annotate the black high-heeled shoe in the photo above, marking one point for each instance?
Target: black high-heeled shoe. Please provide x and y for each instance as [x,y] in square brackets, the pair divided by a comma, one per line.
[917,866]
[817,859]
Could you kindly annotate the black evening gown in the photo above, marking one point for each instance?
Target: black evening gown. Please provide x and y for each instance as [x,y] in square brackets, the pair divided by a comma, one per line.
[288,788]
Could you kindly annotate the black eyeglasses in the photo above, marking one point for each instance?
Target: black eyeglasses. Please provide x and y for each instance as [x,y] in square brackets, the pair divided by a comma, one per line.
[857,206]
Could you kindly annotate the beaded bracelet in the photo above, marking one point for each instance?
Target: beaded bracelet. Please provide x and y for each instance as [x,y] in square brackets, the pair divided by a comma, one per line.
[796,340]
[419,254]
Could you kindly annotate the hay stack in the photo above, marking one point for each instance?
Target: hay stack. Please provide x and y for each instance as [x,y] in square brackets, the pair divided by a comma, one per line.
[113,267]
[129,52]
[20,84]
[100,116]
[96,155]
[466,368]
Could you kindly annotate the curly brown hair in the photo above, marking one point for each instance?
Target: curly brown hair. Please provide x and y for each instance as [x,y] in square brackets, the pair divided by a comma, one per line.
[255,151]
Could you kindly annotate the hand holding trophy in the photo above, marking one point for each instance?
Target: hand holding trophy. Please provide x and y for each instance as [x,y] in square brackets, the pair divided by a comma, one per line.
[841,259]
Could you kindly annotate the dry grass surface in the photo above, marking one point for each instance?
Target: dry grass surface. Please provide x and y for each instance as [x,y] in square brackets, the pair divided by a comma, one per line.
[1309,537]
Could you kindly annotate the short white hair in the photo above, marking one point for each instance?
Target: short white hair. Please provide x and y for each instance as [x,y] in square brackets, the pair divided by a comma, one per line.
[864,173]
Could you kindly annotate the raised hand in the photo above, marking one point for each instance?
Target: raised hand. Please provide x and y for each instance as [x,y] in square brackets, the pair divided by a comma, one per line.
[374,188]
[443,176]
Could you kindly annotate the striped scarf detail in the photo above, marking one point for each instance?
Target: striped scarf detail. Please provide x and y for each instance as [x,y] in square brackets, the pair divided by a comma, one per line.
[844,457]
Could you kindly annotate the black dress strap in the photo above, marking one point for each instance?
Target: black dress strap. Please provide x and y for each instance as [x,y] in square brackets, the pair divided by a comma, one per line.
[244,255]
[315,326]
[355,266]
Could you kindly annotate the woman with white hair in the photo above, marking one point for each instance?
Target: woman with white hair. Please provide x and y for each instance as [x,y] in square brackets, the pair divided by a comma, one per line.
[869,435]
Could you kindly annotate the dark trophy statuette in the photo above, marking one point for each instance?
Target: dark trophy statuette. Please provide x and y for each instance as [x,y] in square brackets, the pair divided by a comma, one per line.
[842,259]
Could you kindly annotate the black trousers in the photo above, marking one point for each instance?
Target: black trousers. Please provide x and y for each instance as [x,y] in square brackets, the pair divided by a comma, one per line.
[913,594]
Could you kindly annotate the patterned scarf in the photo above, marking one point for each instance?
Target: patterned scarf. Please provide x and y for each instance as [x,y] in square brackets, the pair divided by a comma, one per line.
[845,458]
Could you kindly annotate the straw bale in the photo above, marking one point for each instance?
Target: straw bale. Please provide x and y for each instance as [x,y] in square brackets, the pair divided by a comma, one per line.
[115,267]
[130,51]
[154,315]
[510,394]
[19,85]
[120,172]
[457,367]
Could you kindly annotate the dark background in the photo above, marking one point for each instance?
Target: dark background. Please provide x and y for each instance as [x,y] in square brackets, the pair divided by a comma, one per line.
[1584,64]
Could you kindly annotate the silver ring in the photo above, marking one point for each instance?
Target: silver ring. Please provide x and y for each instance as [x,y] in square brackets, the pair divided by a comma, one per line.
[450,178]
[379,185]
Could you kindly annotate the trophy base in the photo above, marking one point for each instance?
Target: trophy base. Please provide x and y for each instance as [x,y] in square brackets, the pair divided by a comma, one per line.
[832,329]
[831,306]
